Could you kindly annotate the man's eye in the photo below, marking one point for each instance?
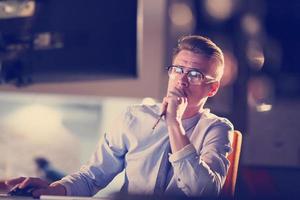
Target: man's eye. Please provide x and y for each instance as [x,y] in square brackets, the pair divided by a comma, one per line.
[195,74]
[177,70]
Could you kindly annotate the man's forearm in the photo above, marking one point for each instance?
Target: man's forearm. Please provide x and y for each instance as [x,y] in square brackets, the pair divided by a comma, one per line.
[177,136]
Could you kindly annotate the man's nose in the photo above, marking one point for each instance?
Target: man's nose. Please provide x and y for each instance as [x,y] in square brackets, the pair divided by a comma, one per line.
[183,80]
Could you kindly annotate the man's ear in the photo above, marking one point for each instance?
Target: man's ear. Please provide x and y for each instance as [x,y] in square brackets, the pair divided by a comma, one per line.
[213,88]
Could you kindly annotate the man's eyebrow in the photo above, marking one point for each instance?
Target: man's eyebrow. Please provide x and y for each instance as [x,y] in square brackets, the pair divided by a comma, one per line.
[196,69]
[191,68]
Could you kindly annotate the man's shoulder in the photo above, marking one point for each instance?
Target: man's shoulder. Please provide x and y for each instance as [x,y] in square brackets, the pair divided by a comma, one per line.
[141,115]
[138,109]
[215,120]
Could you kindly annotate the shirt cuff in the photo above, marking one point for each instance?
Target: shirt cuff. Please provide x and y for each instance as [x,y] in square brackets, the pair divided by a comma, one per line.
[186,151]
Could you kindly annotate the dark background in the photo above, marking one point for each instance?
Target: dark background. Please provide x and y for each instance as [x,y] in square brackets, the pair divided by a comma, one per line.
[89,40]
[87,35]
[262,131]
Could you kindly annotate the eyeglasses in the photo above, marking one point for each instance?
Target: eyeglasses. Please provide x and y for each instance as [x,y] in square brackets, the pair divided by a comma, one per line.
[195,77]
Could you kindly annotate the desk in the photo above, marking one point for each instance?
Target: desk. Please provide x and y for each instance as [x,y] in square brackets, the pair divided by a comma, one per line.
[6,197]
[46,197]
[120,197]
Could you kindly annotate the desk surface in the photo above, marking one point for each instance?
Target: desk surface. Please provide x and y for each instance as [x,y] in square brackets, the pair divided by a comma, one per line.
[120,197]
[46,197]
[7,197]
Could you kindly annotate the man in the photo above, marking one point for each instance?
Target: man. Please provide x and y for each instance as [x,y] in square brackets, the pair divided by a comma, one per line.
[186,152]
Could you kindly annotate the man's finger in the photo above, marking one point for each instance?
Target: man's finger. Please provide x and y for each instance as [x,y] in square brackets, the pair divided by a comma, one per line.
[25,183]
[174,93]
[177,92]
[14,181]
[35,182]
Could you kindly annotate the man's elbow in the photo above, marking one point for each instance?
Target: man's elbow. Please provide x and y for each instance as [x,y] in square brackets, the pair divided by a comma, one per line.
[210,188]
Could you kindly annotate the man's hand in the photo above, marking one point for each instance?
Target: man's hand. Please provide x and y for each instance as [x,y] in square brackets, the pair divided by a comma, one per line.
[41,187]
[175,104]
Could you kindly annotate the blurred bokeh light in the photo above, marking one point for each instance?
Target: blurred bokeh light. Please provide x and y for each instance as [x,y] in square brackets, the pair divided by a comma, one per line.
[219,9]
[181,15]
[230,69]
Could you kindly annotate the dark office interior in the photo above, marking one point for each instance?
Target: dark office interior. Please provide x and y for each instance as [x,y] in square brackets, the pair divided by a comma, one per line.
[68,48]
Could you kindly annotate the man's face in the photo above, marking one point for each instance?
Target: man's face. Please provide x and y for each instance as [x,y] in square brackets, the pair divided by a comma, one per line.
[196,94]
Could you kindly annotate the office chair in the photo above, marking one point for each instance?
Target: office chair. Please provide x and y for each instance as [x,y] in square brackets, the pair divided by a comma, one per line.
[229,185]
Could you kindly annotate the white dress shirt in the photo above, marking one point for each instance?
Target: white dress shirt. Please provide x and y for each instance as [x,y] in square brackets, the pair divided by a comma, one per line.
[199,169]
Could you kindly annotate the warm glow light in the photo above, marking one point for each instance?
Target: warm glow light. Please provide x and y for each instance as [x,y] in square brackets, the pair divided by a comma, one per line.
[263,107]
[148,101]
[255,55]
[251,24]
[230,69]
[16,8]
[8,8]
[42,41]
[27,9]
[219,9]
[181,15]
[36,122]
[260,90]
[30,130]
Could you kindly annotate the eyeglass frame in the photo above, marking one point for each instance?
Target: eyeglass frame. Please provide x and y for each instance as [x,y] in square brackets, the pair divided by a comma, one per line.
[209,79]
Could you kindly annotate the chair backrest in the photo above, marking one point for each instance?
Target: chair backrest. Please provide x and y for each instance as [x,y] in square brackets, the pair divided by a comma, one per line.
[234,157]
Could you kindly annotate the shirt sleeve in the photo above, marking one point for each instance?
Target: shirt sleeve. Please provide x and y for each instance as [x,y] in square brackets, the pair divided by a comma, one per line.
[203,174]
[106,162]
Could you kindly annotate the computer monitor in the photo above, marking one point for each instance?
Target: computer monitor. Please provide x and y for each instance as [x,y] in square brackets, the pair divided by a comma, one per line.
[70,40]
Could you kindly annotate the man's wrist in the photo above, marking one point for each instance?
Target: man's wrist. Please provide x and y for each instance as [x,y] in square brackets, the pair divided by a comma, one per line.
[173,122]
[174,126]
[59,188]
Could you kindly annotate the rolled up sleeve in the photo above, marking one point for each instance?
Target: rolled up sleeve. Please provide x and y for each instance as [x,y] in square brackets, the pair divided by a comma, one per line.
[204,173]
[106,162]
